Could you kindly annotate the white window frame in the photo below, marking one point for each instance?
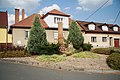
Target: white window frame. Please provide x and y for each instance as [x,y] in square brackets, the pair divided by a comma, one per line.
[58,19]
[91,26]
[105,28]
[115,28]
[93,39]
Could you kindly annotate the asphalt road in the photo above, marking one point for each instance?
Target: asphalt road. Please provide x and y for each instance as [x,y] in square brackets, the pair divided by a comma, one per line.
[13,71]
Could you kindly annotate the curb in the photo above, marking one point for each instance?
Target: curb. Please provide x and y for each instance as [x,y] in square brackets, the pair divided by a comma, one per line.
[22,62]
[77,69]
[104,71]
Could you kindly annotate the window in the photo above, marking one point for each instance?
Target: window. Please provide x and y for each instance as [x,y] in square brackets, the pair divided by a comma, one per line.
[55,34]
[104,28]
[104,39]
[26,33]
[115,28]
[91,27]
[57,19]
[54,19]
[93,39]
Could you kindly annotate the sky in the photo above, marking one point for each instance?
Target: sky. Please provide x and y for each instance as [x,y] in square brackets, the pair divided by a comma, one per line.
[78,9]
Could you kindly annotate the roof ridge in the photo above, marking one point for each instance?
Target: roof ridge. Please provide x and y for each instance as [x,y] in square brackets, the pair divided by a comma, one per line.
[25,19]
[96,22]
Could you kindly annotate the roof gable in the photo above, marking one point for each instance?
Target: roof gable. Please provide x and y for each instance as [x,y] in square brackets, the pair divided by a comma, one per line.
[56,12]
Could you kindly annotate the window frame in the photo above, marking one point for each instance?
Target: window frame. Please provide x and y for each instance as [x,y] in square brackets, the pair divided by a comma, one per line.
[104,39]
[27,32]
[91,26]
[105,28]
[93,39]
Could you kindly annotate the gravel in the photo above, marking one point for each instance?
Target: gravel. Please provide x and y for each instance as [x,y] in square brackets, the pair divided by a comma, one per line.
[71,64]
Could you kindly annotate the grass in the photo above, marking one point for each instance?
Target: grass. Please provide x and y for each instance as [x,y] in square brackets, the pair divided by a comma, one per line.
[51,58]
[85,54]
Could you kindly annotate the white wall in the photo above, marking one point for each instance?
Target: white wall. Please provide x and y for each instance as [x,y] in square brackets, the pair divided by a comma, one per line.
[50,21]
[99,43]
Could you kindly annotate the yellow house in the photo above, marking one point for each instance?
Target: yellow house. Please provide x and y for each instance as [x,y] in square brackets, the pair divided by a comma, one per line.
[5,38]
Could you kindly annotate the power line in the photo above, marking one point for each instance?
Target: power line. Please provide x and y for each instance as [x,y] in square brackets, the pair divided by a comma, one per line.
[97,10]
[116,17]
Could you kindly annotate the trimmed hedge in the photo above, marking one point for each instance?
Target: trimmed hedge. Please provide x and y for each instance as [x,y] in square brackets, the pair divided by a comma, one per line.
[106,51]
[113,61]
[50,49]
[17,53]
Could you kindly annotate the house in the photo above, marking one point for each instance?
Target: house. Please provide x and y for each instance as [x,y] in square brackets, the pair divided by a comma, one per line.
[97,34]
[5,38]
[100,34]
[20,30]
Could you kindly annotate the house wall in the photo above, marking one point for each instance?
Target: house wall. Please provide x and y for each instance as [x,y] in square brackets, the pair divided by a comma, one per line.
[50,35]
[20,40]
[3,32]
[99,43]
[19,37]
[50,21]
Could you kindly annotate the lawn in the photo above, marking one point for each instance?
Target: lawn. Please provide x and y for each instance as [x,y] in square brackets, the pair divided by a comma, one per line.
[51,58]
[85,54]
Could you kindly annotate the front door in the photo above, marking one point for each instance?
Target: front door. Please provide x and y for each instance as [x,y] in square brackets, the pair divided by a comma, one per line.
[116,42]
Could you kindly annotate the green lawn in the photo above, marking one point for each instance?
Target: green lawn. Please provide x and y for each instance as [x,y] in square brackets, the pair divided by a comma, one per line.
[51,58]
[85,54]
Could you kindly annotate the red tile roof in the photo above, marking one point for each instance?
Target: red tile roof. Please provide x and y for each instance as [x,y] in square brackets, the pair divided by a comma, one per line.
[28,22]
[56,12]
[98,27]
[3,19]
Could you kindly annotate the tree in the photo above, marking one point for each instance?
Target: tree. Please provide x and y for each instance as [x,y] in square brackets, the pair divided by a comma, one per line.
[75,36]
[37,37]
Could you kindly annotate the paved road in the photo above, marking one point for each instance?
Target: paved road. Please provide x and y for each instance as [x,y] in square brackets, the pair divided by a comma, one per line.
[12,71]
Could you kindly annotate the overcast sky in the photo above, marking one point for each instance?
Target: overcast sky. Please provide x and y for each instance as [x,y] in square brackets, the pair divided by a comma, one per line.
[78,9]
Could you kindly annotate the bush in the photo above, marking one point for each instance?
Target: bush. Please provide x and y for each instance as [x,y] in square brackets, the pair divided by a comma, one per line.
[113,61]
[106,51]
[85,54]
[17,53]
[115,50]
[87,47]
[49,49]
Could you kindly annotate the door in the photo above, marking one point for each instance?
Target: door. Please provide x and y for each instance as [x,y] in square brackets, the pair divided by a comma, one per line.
[116,42]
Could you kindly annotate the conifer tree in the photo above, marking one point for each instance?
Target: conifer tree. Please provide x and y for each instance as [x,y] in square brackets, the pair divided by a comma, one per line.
[75,36]
[37,37]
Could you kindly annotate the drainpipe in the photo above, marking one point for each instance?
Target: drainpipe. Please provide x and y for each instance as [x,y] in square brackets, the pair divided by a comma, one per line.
[7,32]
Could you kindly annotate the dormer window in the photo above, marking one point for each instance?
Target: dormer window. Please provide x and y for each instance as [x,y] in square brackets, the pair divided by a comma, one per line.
[57,19]
[115,28]
[104,28]
[91,26]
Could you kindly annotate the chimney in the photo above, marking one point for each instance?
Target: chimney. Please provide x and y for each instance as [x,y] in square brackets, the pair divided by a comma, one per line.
[23,14]
[16,15]
[60,33]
